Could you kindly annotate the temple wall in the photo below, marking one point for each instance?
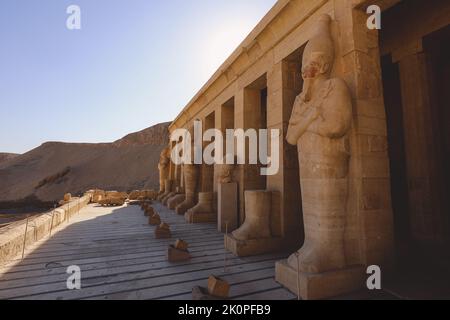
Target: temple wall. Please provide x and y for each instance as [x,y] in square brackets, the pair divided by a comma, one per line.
[271,52]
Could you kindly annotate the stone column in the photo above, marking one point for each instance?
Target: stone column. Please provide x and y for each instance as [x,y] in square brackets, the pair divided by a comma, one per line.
[421,155]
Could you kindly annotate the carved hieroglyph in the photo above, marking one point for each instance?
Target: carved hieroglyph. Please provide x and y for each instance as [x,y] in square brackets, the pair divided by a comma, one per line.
[163,167]
[319,126]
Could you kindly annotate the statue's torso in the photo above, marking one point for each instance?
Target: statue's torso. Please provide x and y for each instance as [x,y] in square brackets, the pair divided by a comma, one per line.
[321,155]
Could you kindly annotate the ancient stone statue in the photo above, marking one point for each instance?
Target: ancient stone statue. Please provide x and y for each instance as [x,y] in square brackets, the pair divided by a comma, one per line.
[191,173]
[257,216]
[203,211]
[163,167]
[226,173]
[319,126]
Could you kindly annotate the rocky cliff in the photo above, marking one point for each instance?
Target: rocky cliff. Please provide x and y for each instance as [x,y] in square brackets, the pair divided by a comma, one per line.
[55,168]
[7,156]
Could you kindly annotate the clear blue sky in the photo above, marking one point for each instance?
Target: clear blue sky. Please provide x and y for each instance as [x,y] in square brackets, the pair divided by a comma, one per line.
[133,64]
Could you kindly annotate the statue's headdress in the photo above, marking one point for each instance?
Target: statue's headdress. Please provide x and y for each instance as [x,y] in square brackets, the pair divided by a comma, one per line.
[321,40]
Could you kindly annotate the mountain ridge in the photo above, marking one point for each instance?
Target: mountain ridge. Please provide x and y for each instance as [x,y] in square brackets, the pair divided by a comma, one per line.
[49,171]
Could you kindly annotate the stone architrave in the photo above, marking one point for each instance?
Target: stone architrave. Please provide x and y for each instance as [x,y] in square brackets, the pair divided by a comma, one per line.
[319,127]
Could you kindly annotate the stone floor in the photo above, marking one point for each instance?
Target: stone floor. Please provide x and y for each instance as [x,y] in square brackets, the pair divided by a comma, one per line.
[120,259]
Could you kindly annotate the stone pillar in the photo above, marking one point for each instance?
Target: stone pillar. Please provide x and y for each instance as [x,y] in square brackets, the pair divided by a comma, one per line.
[227,207]
[421,155]
[284,84]
[369,236]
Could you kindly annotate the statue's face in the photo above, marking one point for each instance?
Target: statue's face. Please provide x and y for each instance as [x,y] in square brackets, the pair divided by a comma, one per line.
[314,65]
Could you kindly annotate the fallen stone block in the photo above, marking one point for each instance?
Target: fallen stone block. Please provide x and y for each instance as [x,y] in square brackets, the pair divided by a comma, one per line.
[177,255]
[181,245]
[149,211]
[218,287]
[154,220]
[163,231]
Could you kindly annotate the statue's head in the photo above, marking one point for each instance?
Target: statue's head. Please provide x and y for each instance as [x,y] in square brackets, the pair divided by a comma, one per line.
[318,57]
[316,64]
[164,157]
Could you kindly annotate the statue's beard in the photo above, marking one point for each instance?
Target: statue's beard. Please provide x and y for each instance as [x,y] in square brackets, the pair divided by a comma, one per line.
[308,85]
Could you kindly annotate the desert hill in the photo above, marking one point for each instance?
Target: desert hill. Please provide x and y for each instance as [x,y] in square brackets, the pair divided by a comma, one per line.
[7,156]
[47,172]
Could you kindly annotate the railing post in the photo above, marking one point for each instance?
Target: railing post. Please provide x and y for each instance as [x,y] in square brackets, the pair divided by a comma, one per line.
[25,237]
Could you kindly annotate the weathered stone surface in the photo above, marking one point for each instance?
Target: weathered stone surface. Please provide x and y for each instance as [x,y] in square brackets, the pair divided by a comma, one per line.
[163,232]
[154,220]
[173,202]
[227,207]
[181,245]
[163,167]
[218,287]
[257,216]
[252,247]
[190,183]
[178,255]
[320,285]
[204,211]
[319,127]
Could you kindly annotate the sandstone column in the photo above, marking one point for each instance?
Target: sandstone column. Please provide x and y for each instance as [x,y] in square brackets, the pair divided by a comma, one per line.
[420,150]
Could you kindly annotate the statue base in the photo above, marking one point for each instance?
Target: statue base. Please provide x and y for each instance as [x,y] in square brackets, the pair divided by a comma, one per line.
[173,202]
[322,285]
[166,198]
[200,217]
[253,247]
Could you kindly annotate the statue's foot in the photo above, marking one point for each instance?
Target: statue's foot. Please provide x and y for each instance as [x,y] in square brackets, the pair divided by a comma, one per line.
[312,259]
[249,232]
[201,209]
[183,207]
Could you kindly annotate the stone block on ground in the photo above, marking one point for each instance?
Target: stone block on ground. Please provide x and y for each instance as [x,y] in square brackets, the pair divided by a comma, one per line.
[154,220]
[163,231]
[218,287]
[177,255]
